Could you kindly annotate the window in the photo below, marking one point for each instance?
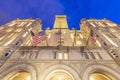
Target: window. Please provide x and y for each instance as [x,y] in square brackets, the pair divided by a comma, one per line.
[113,53]
[65,55]
[7,54]
[60,56]
[54,55]
[97,55]
[23,54]
[104,44]
[91,56]
[85,55]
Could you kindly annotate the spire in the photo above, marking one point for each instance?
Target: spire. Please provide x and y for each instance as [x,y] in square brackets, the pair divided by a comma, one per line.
[60,22]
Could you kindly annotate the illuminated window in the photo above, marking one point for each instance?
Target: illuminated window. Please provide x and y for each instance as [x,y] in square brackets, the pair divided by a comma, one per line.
[65,55]
[101,76]
[60,55]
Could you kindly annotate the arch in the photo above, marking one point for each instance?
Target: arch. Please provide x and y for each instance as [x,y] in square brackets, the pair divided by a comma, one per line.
[24,67]
[70,71]
[93,68]
[60,70]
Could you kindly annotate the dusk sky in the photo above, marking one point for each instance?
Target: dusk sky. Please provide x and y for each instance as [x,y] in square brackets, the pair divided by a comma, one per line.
[47,9]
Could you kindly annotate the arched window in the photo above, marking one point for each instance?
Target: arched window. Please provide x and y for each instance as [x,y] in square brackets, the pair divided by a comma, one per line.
[101,76]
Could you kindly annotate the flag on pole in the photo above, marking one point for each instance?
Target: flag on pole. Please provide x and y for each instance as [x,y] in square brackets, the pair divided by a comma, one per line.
[92,37]
[55,37]
[38,37]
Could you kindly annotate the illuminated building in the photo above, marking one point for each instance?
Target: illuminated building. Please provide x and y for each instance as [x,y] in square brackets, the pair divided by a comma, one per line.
[91,53]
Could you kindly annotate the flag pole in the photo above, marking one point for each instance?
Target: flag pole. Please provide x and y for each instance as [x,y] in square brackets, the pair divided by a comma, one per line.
[47,38]
[60,33]
[74,37]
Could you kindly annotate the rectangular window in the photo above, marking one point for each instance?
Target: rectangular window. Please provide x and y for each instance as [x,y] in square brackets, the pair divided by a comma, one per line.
[85,55]
[97,55]
[54,55]
[91,56]
[65,55]
[60,56]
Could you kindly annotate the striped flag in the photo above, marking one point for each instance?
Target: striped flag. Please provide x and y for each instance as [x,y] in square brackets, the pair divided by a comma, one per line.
[92,37]
[38,37]
[55,37]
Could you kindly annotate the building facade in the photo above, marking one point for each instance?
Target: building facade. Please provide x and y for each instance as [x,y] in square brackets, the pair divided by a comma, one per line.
[91,53]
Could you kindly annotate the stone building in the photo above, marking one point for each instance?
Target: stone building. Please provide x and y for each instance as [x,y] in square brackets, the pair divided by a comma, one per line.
[91,53]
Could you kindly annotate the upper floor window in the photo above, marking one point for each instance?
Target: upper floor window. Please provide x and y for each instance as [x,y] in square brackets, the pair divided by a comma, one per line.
[91,55]
[61,55]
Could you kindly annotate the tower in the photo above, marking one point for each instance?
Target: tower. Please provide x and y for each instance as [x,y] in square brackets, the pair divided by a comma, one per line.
[91,53]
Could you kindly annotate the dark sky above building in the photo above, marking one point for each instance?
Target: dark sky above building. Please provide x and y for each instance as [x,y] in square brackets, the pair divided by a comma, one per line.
[47,9]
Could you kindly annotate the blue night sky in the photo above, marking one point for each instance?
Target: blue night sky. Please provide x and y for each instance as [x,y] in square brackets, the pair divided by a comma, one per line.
[47,9]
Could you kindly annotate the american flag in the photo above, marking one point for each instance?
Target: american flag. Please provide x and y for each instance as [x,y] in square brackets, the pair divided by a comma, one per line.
[38,37]
[92,37]
[55,37]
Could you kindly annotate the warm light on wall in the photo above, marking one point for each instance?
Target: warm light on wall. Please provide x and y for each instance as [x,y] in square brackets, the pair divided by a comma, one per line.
[28,78]
[109,40]
[60,78]
[98,43]
[25,34]
[72,36]
[81,36]
[91,78]
[78,43]
[49,36]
